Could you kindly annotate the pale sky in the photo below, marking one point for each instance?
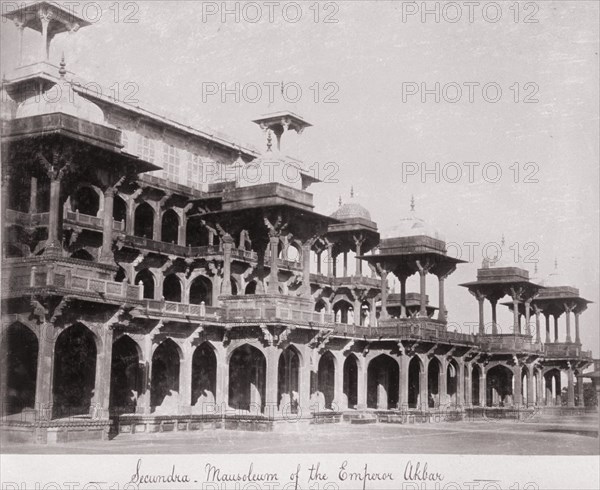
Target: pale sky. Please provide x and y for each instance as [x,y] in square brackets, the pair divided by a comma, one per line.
[370,131]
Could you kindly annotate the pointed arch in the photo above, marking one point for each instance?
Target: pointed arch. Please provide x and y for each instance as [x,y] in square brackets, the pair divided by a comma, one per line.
[351,368]
[247,379]
[126,375]
[169,230]
[204,377]
[383,376]
[166,361]
[143,223]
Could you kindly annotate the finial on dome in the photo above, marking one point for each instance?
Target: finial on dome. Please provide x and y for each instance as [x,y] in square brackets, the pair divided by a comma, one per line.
[352,192]
[340,201]
[62,71]
[269,141]
[412,203]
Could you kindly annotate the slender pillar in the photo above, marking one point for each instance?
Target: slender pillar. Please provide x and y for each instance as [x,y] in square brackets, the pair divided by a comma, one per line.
[271,402]
[157,226]
[403,381]
[306,292]
[45,17]
[423,284]
[33,196]
[547,315]
[357,310]
[424,387]
[227,247]
[468,386]
[402,279]
[516,323]
[577,338]
[482,389]
[274,274]
[493,302]
[319,254]
[43,386]
[373,313]
[185,380]
[130,221]
[106,254]
[338,389]
[580,393]
[529,387]
[330,272]
[538,335]
[181,231]
[517,398]
[481,301]
[144,398]
[361,385]
[442,384]
[555,328]
[568,315]
[358,271]
[570,388]
[460,385]
[527,316]
[540,388]
[345,256]
[384,294]
[442,302]
[54,228]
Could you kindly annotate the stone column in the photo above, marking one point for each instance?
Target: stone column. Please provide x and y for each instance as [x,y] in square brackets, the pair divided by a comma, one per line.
[577,338]
[516,324]
[330,272]
[106,254]
[538,335]
[54,228]
[181,231]
[384,294]
[527,316]
[271,401]
[547,315]
[460,385]
[45,18]
[468,386]
[338,389]
[357,310]
[580,393]
[361,385]
[222,385]
[529,387]
[130,220]
[227,247]
[185,379]
[304,388]
[482,389]
[144,398]
[442,303]
[345,257]
[555,328]
[372,313]
[570,388]
[157,225]
[358,271]
[33,196]
[493,302]
[403,390]
[274,274]
[45,367]
[402,279]
[423,288]
[442,383]
[517,397]
[424,387]
[306,292]
[481,301]
[568,316]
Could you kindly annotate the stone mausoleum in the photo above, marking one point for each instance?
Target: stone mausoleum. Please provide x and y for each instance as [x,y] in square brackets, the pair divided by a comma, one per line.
[140,294]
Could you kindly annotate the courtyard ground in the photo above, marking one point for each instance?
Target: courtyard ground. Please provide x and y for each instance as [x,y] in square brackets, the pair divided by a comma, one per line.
[565,435]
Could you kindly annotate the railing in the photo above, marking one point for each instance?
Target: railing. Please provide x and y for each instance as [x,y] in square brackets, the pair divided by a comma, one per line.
[91,221]
[60,274]
[27,219]
[565,349]
[342,281]
[509,342]
[183,309]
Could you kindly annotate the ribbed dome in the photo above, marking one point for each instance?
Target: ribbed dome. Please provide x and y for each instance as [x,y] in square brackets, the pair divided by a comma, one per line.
[61,98]
[412,226]
[351,209]
[555,279]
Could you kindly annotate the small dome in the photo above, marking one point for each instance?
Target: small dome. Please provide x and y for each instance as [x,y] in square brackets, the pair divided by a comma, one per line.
[351,210]
[61,98]
[555,279]
[412,226]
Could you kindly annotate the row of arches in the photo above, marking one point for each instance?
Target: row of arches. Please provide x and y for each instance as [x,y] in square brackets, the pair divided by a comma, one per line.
[133,377]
